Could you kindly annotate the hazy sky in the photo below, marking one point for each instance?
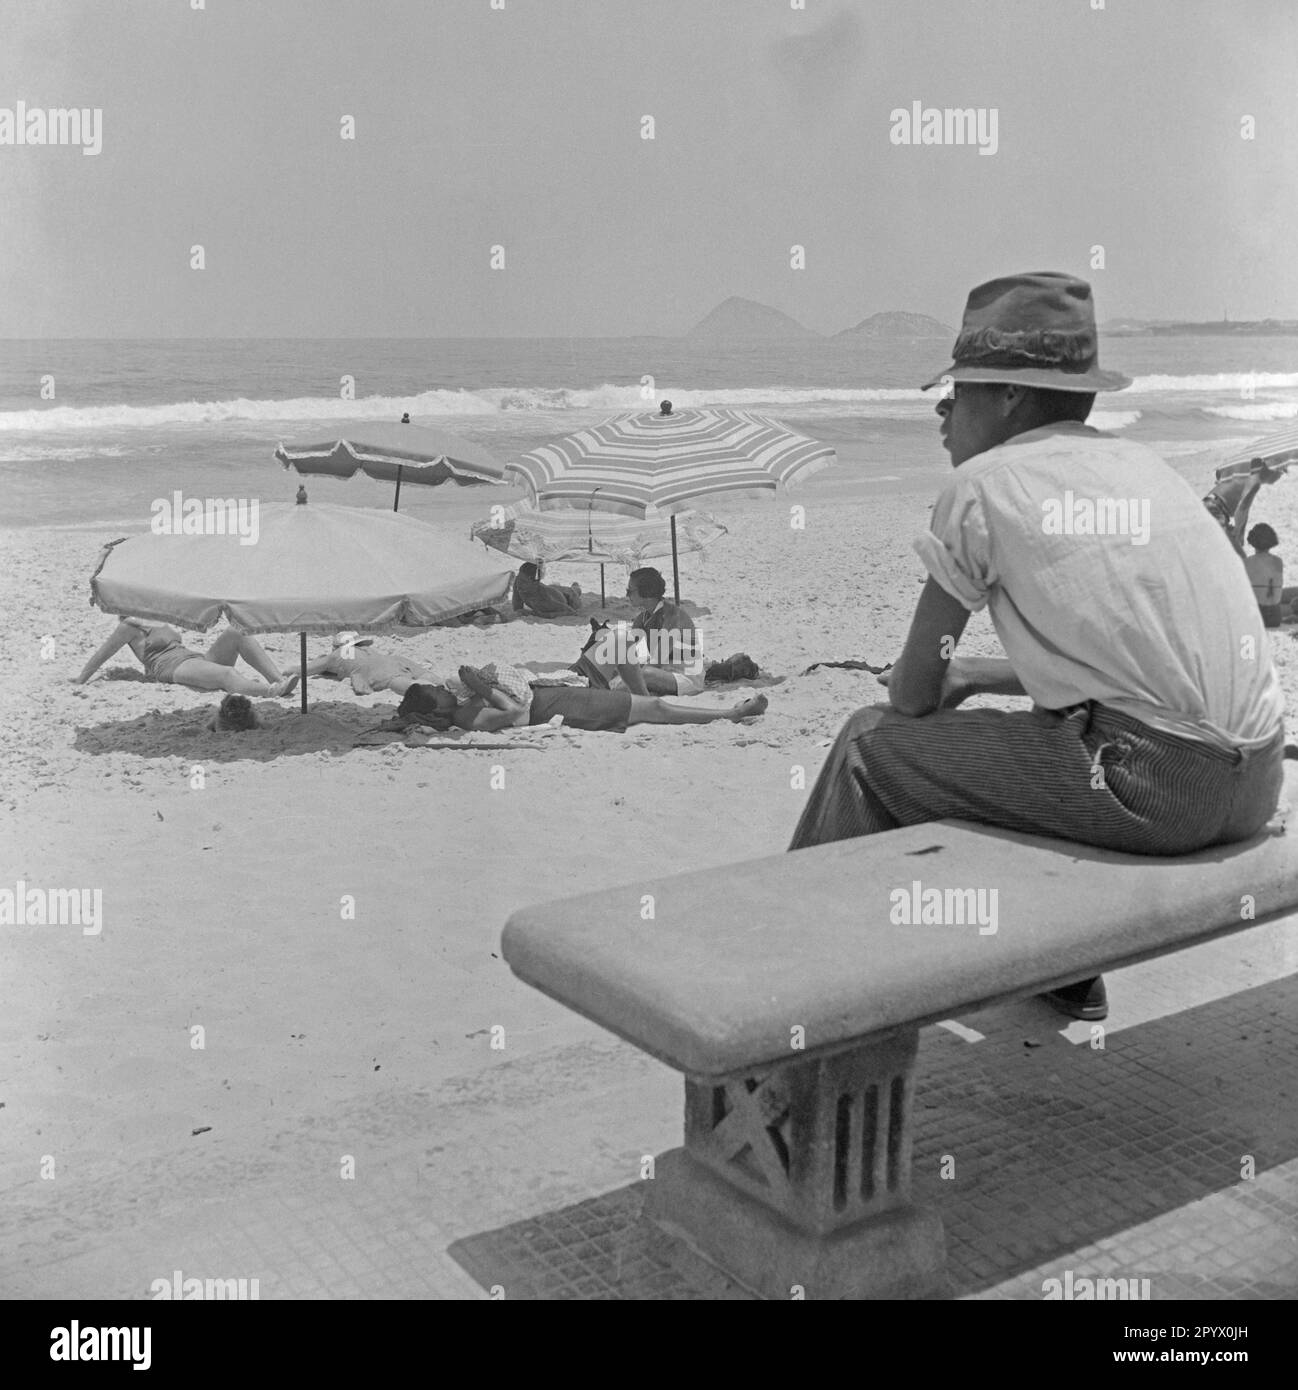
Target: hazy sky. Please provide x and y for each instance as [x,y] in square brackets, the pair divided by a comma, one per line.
[521,127]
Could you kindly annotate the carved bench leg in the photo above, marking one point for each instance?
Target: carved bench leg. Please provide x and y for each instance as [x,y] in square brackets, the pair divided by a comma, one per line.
[797,1176]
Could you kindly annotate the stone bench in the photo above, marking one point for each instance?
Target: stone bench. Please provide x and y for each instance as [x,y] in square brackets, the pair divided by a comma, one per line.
[792,1003]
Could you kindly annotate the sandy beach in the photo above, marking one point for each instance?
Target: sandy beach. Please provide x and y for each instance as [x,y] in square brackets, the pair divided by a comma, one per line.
[225,864]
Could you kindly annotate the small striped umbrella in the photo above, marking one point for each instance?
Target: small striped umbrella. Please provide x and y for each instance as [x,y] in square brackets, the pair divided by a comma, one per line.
[390,452]
[1240,477]
[652,464]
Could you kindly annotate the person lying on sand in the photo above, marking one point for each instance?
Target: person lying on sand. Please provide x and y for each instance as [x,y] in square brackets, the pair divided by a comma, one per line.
[162,653]
[1148,732]
[354,658]
[544,600]
[493,709]
[234,715]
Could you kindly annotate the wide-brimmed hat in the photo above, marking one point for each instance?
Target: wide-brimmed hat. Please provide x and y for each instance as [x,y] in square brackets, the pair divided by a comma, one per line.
[1036,329]
[341,639]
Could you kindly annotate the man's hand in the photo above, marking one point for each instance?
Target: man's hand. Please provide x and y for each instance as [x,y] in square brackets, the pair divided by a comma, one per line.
[956,688]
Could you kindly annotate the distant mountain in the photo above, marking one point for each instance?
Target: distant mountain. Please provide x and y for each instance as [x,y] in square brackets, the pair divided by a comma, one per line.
[898,325]
[745,318]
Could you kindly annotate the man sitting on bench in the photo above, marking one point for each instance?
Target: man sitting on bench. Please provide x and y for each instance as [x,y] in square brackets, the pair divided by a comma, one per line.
[1157,718]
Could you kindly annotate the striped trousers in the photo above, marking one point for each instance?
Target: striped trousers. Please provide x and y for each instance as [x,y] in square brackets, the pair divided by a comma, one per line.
[1088,774]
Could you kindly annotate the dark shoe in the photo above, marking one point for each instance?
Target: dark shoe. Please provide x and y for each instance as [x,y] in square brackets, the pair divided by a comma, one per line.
[1087,999]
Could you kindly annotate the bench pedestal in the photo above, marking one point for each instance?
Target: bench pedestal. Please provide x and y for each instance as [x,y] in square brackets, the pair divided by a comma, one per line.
[796,1175]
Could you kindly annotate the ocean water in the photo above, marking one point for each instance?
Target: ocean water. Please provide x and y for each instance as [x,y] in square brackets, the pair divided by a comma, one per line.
[130,421]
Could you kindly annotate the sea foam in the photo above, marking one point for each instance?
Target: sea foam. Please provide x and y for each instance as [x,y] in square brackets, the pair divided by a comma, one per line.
[499,402]
[1263,410]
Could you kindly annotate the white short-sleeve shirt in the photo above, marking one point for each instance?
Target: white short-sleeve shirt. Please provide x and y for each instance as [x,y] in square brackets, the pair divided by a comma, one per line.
[1106,579]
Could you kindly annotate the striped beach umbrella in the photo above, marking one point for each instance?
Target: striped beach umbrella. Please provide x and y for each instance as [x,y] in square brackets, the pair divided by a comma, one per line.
[391,452]
[1276,451]
[649,464]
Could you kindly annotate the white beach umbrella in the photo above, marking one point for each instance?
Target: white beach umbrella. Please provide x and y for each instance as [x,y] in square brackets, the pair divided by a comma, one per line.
[312,569]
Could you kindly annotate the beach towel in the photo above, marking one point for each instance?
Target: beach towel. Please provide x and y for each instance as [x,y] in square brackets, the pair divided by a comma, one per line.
[412,734]
[549,679]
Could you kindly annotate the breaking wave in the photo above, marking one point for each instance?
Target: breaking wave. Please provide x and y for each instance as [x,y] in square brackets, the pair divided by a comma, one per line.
[498,402]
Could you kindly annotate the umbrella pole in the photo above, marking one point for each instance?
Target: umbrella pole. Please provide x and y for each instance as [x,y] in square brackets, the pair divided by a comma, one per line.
[302,649]
[603,602]
[676,573]
[396,499]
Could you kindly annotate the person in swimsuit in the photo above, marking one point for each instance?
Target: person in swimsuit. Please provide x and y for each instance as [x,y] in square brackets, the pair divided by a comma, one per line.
[1266,573]
[612,711]
[165,658]
[354,658]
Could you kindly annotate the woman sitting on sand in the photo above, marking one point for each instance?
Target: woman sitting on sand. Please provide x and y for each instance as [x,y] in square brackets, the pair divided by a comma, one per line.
[492,708]
[165,658]
[1266,573]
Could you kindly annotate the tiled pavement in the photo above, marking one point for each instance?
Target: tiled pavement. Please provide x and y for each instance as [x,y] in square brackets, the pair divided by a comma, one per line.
[523,1174]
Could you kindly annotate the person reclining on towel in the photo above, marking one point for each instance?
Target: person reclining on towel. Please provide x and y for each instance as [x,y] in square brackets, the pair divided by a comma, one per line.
[1157,718]
[494,709]
[544,600]
[354,658]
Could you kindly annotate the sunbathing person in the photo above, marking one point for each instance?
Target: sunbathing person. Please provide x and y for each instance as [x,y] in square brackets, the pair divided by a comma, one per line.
[165,658]
[354,659]
[492,708]
[544,600]
[1148,733]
